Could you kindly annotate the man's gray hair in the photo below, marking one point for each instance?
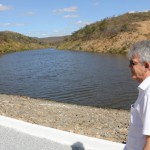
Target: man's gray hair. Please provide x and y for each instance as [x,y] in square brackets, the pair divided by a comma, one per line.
[142,50]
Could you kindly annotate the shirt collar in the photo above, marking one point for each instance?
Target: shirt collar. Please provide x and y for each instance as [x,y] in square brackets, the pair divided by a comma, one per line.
[145,84]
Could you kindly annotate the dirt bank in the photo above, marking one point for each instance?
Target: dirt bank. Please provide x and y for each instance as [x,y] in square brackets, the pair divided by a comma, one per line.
[107,124]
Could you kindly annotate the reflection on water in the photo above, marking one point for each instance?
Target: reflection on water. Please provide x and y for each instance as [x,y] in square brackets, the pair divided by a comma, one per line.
[101,80]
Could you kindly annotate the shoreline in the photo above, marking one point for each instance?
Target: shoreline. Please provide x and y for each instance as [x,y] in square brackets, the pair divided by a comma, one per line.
[108,124]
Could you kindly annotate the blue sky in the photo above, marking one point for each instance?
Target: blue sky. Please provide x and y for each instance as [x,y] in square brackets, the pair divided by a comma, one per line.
[47,18]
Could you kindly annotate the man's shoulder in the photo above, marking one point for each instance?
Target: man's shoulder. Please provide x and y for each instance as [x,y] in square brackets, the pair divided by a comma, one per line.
[147,92]
[145,85]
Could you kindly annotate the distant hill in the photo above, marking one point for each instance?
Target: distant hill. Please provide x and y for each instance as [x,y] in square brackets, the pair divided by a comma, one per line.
[54,40]
[114,35]
[12,42]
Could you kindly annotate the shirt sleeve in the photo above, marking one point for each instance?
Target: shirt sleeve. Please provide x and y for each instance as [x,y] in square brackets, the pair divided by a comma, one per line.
[146,115]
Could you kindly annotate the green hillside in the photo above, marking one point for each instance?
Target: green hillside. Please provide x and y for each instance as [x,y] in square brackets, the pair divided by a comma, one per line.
[12,42]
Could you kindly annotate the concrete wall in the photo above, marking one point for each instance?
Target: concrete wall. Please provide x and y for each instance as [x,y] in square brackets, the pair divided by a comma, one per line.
[20,135]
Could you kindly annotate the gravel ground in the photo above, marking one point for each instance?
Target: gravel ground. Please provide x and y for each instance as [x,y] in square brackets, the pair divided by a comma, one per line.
[110,124]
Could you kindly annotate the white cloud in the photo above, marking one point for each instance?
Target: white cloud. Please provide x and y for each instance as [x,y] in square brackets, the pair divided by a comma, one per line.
[68,9]
[30,13]
[49,33]
[58,33]
[37,34]
[61,32]
[71,16]
[82,23]
[131,12]
[146,10]
[4,8]
[11,24]
[96,3]
[42,34]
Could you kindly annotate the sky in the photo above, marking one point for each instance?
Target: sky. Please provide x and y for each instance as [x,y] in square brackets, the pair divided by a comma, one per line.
[49,18]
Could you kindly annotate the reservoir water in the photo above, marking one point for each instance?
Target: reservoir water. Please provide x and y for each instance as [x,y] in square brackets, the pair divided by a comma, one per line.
[84,78]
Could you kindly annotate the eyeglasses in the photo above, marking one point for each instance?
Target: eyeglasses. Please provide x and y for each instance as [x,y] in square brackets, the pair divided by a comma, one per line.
[132,63]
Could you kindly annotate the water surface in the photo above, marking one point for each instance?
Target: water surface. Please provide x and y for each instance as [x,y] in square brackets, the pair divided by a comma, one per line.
[101,80]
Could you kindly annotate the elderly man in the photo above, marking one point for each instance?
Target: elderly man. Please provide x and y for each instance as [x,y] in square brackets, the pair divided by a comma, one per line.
[139,130]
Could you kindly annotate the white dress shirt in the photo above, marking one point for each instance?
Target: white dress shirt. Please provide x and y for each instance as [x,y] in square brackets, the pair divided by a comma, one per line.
[140,118]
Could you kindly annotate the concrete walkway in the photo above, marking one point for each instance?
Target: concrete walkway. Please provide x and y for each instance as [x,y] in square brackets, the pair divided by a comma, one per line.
[20,135]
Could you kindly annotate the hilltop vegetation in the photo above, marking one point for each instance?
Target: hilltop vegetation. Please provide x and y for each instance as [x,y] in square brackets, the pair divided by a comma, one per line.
[114,35]
[110,35]
[12,42]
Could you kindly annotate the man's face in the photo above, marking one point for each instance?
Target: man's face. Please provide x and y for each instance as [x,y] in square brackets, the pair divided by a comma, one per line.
[137,69]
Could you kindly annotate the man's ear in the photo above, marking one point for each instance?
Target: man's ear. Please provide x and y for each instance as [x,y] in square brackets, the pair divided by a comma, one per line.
[147,65]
